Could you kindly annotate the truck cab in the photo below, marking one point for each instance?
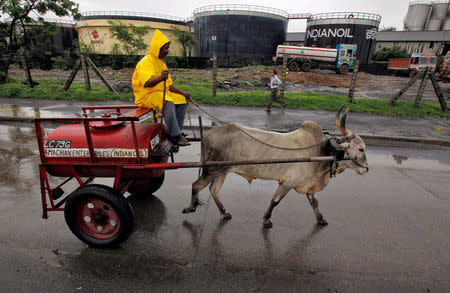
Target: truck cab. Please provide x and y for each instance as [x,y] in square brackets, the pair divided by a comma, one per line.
[445,68]
[420,61]
[346,57]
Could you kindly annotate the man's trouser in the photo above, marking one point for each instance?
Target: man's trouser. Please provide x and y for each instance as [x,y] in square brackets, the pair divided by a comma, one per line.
[174,117]
[273,97]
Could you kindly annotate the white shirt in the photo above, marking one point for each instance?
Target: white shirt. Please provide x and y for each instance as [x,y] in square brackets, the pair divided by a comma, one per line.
[275,82]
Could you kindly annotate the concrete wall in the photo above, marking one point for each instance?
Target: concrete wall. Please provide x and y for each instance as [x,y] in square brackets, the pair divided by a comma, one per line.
[102,42]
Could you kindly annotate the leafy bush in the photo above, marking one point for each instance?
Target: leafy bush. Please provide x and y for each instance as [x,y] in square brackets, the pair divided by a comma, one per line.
[392,52]
[65,62]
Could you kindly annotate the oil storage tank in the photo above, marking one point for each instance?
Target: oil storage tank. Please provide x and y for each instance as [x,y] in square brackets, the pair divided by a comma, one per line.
[330,29]
[239,34]
[437,16]
[417,16]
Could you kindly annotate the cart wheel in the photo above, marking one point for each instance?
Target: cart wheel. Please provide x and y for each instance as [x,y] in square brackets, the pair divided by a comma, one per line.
[99,216]
[146,186]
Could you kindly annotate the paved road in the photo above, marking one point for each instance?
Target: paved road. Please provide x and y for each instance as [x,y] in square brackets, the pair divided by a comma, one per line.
[388,231]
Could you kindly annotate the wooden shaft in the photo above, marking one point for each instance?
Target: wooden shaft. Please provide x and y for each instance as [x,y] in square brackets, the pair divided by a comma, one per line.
[353,82]
[405,88]
[72,74]
[421,88]
[87,81]
[100,75]
[438,91]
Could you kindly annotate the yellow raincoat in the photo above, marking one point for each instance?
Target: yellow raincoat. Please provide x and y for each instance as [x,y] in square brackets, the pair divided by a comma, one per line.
[149,67]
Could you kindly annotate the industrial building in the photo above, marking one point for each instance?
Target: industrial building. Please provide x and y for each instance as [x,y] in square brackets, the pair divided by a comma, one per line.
[94,29]
[239,31]
[250,34]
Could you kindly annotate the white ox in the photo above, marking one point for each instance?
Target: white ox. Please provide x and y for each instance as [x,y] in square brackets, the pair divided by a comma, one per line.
[232,142]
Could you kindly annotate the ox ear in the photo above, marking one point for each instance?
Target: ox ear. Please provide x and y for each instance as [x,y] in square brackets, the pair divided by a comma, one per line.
[345,145]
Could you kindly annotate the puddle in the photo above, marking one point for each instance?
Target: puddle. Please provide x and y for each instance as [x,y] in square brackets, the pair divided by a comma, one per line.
[432,160]
[23,111]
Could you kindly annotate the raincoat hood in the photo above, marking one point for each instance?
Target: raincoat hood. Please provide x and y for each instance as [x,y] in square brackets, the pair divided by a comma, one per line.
[158,40]
[148,67]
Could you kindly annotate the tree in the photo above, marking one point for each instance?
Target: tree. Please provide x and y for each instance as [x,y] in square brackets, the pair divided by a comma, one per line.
[186,39]
[130,38]
[388,29]
[13,30]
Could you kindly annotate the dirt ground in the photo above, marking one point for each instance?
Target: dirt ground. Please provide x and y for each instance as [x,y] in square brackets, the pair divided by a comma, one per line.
[315,81]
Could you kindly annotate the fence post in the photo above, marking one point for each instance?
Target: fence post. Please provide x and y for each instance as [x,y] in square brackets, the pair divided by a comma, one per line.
[438,91]
[87,81]
[214,75]
[353,82]
[421,88]
[405,88]
[72,75]
[283,78]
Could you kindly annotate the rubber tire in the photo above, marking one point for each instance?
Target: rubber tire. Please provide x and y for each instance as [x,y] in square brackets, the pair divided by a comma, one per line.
[411,74]
[306,66]
[152,185]
[293,66]
[344,69]
[112,197]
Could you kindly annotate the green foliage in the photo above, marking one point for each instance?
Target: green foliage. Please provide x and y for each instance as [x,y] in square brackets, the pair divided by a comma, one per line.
[65,62]
[41,46]
[186,39]
[388,29]
[130,38]
[392,52]
[3,77]
[16,29]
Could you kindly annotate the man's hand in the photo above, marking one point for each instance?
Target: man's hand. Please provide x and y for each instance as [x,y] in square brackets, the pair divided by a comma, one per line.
[186,94]
[164,74]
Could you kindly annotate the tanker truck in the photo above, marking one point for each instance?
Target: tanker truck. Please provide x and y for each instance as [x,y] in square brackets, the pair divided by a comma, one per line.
[340,59]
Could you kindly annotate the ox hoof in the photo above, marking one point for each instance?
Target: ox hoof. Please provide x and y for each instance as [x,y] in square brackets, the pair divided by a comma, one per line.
[267,224]
[322,222]
[227,216]
[188,210]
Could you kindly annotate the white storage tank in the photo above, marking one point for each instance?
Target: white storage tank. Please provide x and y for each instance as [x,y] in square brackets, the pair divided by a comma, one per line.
[437,17]
[417,16]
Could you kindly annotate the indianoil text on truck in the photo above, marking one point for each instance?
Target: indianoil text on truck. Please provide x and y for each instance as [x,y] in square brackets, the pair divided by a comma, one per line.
[341,59]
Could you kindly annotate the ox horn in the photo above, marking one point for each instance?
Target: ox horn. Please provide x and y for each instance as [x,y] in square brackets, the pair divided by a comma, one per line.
[340,121]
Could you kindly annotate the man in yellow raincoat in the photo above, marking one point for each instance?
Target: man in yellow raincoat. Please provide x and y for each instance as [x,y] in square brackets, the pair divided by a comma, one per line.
[148,86]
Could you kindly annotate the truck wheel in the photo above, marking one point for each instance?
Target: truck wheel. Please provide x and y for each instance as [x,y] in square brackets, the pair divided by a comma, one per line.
[344,69]
[293,66]
[306,66]
[146,187]
[99,216]
[412,74]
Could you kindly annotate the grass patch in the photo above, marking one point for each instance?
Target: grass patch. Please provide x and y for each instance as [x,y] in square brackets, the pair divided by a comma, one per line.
[53,89]
[201,92]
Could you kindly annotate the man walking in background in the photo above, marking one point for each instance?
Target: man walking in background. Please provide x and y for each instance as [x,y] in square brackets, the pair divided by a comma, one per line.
[275,82]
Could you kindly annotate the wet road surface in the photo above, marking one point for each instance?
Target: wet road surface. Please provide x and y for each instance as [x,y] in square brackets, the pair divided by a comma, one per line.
[388,231]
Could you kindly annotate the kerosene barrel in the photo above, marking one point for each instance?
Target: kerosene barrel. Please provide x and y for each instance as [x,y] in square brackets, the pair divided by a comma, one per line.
[66,148]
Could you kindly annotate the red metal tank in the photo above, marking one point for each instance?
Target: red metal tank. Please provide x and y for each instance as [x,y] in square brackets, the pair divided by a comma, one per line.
[67,147]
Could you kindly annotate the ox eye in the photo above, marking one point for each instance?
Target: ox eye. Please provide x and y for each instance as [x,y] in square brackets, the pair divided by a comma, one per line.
[361,150]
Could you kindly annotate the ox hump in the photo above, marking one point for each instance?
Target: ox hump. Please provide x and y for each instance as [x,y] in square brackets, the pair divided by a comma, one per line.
[312,127]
